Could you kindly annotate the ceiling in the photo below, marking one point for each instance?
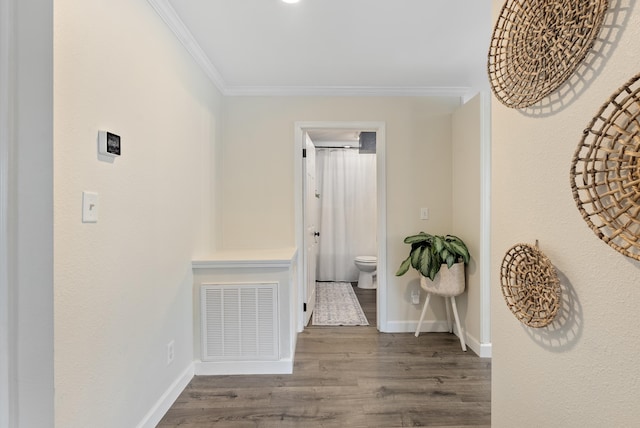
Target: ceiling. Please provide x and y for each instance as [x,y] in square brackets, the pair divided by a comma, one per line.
[393,47]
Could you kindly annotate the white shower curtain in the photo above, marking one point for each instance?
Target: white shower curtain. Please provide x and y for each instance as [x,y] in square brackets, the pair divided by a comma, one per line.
[346,181]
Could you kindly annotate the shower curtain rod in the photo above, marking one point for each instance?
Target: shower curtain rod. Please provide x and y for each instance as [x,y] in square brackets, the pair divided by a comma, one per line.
[338,147]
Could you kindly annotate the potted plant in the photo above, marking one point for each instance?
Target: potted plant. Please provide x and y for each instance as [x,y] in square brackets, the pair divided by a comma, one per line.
[429,254]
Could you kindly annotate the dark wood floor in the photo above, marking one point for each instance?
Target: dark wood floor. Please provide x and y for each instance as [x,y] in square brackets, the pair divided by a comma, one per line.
[349,377]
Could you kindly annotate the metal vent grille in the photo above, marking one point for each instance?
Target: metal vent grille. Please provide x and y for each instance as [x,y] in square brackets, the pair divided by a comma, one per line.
[239,322]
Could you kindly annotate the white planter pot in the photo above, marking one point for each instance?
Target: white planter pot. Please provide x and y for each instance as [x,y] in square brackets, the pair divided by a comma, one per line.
[448,281]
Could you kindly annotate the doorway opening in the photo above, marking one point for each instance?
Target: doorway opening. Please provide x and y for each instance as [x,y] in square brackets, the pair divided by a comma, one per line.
[347,144]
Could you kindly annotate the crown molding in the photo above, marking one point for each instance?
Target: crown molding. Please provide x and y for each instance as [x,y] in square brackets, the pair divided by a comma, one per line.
[168,14]
[173,21]
[349,91]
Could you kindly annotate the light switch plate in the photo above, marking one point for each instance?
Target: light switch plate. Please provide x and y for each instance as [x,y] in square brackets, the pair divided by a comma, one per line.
[89,207]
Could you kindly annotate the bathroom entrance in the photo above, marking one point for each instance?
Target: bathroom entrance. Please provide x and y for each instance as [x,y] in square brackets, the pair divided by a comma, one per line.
[342,225]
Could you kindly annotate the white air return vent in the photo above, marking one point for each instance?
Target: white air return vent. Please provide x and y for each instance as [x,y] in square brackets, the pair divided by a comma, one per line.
[239,322]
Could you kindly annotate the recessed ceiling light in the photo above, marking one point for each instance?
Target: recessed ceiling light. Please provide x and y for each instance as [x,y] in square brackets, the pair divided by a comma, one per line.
[291,1]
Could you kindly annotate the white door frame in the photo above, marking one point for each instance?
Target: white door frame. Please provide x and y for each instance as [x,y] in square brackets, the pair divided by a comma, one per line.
[308,241]
[485,224]
[381,186]
[7,332]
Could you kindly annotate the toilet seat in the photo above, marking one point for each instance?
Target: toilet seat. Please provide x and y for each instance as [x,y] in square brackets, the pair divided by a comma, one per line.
[367,259]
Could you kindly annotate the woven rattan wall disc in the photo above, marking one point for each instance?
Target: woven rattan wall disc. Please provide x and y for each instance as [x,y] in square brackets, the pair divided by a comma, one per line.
[605,171]
[538,44]
[530,285]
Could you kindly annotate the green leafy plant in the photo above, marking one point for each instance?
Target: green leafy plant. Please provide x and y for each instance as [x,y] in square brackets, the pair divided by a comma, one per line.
[429,252]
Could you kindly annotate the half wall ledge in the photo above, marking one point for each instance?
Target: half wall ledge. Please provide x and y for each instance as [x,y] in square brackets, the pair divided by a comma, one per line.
[244,317]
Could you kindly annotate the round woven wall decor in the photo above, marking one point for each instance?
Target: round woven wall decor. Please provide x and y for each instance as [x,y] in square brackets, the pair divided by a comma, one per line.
[605,171]
[538,44]
[530,285]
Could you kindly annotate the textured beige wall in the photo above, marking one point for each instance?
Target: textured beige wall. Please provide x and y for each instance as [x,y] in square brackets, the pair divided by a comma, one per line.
[583,370]
[123,286]
[257,173]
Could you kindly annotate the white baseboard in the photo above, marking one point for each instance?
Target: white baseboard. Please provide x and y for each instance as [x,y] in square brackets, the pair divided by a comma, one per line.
[212,368]
[163,405]
[482,349]
[157,412]
[485,350]
[410,326]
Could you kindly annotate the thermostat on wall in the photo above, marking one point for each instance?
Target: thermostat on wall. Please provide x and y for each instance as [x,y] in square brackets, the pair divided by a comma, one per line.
[108,143]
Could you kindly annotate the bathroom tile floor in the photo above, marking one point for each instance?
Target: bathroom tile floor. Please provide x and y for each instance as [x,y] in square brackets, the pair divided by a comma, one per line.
[350,377]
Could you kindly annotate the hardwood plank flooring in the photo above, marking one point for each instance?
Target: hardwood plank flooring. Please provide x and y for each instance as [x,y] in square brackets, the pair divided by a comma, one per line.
[349,377]
[367,299]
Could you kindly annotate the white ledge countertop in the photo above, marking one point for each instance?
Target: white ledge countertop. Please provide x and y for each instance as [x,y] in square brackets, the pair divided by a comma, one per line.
[275,257]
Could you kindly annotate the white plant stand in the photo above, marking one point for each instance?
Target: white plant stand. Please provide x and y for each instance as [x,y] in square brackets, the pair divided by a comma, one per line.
[448,283]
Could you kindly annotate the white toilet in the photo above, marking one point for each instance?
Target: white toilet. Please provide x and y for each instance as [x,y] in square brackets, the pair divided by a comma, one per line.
[367,266]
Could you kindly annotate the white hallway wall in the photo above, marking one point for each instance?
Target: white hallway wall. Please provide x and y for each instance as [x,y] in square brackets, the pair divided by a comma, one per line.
[257,174]
[584,372]
[123,285]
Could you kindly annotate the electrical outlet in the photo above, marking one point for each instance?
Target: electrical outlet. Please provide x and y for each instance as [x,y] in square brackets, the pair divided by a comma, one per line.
[415,296]
[170,352]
